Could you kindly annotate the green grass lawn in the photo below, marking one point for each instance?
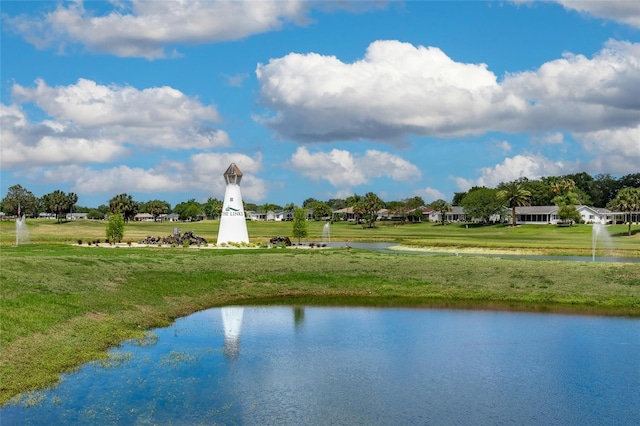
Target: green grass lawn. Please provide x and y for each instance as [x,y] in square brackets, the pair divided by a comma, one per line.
[63,305]
[543,239]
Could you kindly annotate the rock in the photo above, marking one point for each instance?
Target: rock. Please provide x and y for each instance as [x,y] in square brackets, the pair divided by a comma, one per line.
[281,240]
[177,239]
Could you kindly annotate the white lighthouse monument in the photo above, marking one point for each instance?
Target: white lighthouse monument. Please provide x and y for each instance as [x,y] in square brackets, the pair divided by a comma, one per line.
[233,225]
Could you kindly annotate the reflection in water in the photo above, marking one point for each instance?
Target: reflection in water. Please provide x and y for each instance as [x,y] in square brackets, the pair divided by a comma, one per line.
[357,366]
[298,316]
[232,323]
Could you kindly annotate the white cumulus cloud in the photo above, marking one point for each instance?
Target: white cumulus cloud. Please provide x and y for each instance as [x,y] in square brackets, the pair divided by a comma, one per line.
[615,150]
[148,28]
[531,166]
[429,194]
[93,123]
[26,144]
[342,169]
[201,174]
[624,11]
[627,12]
[398,89]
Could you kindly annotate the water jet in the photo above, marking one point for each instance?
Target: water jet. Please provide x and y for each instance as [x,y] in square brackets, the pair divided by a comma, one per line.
[22,233]
[326,233]
[598,231]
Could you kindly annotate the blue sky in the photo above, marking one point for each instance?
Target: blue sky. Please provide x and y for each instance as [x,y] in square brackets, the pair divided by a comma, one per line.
[314,99]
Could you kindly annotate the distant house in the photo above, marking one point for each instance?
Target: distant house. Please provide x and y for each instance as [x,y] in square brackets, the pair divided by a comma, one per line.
[531,215]
[283,215]
[276,216]
[254,215]
[455,215]
[412,215]
[143,217]
[384,214]
[536,215]
[595,214]
[344,214]
[171,217]
[75,216]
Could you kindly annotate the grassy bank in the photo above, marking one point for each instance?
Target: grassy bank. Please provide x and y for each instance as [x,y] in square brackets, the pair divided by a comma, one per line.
[63,305]
[540,239]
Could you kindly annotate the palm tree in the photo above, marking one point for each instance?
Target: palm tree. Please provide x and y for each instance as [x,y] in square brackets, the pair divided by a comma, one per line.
[442,207]
[124,205]
[371,203]
[72,199]
[157,207]
[513,195]
[58,203]
[628,201]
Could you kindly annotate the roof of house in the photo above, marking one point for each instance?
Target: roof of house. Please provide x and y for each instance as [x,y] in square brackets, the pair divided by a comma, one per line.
[536,209]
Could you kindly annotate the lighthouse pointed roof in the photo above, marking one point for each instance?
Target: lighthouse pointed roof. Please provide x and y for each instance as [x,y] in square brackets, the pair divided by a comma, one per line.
[233,170]
[233,174]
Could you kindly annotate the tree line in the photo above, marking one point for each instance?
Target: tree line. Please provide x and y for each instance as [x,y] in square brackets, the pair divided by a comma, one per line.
[564,191]
[482,203]
[20,200]
[594,191]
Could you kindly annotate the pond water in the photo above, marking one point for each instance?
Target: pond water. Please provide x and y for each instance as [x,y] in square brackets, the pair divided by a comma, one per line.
[357,366]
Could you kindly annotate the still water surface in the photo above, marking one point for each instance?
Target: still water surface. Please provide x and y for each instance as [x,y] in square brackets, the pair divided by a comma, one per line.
[358,366]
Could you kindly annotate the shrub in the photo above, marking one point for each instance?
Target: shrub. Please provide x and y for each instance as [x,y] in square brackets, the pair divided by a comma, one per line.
[115,227]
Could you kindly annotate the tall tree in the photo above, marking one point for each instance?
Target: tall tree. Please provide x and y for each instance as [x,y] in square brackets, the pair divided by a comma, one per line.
[249,207]
[604,189]
[188,210]
[513,195]
[414,202]
[442,207]
[125,205]
[355,202]
[630,181]
[482,203]
[628,201]
[398,208]
[308,202]
[352,200]
[336,203]
[371,204]
[269,207]
[58,203]
[19,196]
[156,207]
[457,198]
[582,181]
[213,207]
[72,199]
[541,194]
[320,210]
[300,226]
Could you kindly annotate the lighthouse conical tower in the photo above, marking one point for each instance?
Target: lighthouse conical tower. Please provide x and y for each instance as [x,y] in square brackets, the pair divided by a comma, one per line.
[233,225]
